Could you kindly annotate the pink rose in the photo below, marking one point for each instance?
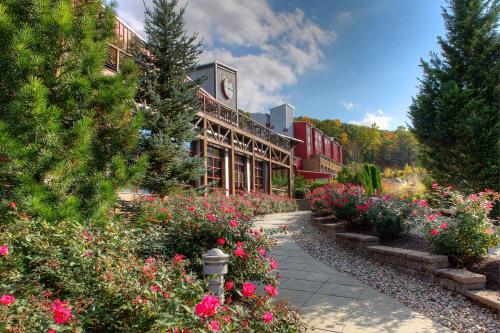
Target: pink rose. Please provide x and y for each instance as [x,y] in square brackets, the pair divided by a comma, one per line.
[61,311]
[261,251]
[178,258]
[271,290]
[248,289]
[12,204]
[4,250]
[192,208]
[239,252]
[150,260]
[211,217]
[214,326]
[207,307]
[229,285]
[268,317]
[7,299]
[444,226]
[233,223]
[431,217]
[273,263]
[434,232]
[434,186]
[221,241]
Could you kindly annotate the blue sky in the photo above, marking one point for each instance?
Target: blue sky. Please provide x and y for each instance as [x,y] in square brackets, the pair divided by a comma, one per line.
[348,59]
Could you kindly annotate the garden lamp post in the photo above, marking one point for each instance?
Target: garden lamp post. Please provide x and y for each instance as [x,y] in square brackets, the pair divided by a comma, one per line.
[215,267]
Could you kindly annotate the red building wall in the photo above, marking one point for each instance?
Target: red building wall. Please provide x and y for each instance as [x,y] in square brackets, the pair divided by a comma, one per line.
[300,131]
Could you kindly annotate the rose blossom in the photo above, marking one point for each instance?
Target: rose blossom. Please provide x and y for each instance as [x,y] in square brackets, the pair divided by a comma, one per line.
[211,217]
[229,285]
[178,258]
[214,325]
[61,311]
[192,208]
[434,186]
[221,241]
[268,317]
[239,252]
[271,290]
[273,263]
[444,226]
[233,223]
[12,204]
[248,289]
[431,217]
[261,251]
[7,299]
[4,250]
[434,232]
[207,307]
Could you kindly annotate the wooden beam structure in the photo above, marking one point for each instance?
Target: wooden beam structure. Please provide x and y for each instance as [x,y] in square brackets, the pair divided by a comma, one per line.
[223,128]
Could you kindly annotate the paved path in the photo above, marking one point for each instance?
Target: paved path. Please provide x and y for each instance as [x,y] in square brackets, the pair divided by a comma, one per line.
[333,302]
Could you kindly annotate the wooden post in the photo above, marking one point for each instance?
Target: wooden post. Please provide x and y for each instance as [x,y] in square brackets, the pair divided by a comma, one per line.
[253,166]
[231,166]
[270,172]
[205,153]
[290,169]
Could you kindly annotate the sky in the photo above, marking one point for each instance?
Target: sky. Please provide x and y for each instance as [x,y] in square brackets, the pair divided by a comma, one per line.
[353,60]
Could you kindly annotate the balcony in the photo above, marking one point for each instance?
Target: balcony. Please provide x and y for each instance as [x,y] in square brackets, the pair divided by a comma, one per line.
[215,109]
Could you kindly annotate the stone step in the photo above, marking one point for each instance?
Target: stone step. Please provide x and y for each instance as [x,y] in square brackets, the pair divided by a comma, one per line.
[324,219]
[489,298]
[460,280]
[332,228]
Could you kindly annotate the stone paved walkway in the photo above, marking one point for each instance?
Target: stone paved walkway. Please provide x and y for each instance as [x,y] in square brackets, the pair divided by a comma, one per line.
[331,301]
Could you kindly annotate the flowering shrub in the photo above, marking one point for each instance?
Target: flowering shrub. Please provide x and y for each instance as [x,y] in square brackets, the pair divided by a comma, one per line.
[389,217]
[468,233]
[454,224]
[65,277]
[193,225]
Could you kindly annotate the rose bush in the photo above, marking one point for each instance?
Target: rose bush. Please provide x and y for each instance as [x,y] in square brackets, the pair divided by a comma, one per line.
[466,232]
[191,226]
[453,223]
[67,277]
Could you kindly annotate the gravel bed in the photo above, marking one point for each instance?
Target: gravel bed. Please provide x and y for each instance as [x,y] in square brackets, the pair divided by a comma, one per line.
[449,308]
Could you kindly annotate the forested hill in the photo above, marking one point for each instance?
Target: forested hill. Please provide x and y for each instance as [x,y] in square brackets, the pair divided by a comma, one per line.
[370,144]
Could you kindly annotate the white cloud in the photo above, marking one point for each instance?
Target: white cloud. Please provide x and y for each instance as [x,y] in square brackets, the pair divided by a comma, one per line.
[348,105]
[343,17]
[274,48]
[370,118]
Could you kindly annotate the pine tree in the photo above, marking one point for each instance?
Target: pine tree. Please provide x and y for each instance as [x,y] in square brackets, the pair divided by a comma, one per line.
[66,129]
[456,112]
[169,97]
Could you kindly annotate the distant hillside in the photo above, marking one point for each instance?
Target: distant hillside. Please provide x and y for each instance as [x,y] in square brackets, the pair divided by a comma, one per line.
[370,144]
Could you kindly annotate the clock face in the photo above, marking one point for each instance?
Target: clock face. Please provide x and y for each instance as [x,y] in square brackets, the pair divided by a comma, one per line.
[227,88]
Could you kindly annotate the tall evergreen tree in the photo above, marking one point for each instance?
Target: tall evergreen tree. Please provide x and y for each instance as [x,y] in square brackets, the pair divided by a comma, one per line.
[66,129]
[169,97]
[456,113]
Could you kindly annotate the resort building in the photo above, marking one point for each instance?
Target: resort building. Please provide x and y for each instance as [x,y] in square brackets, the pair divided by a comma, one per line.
[316,156]
[241,153]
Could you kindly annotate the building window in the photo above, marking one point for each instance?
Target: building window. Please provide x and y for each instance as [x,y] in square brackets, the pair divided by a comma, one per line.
[285,130]
[259,176]
[214,167]
[239,173]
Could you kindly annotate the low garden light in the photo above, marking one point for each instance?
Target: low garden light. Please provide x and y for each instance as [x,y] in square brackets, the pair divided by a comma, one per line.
[215,267]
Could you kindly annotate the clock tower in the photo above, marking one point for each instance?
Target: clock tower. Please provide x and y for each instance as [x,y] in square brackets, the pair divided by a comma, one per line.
[220,81]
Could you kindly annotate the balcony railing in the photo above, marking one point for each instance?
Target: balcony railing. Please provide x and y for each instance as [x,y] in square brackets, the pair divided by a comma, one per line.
[234,118]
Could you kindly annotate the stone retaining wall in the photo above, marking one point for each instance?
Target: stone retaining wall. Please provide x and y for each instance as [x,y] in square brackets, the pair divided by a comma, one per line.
[431,267]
